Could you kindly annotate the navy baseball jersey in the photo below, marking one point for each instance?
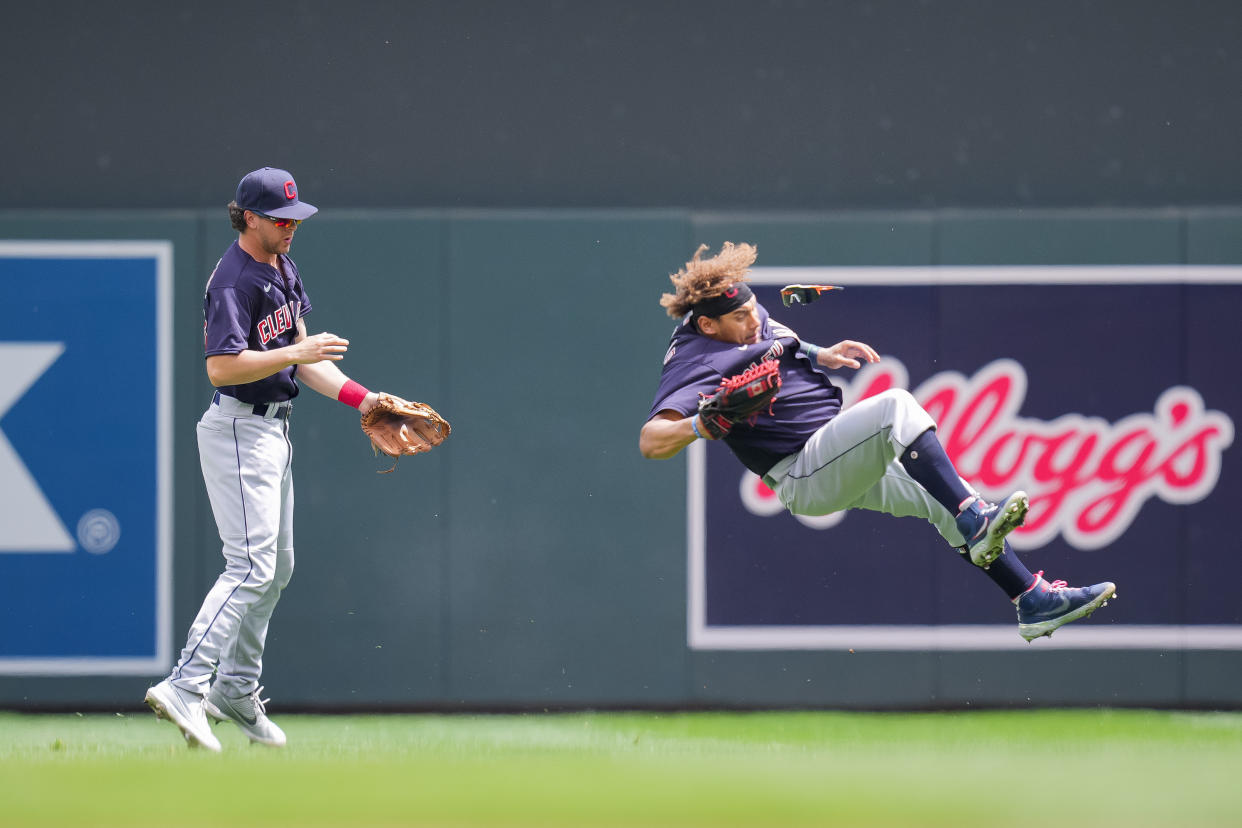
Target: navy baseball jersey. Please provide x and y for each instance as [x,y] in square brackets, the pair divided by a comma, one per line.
[253,306]
[695,364]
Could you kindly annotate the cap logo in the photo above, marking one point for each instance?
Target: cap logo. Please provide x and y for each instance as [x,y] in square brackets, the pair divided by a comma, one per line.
[291,191]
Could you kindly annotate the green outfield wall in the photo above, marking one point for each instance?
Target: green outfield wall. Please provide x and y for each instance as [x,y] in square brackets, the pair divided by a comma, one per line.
[536,560]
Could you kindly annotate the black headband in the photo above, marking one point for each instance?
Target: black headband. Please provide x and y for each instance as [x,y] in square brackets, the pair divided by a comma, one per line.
[733,298]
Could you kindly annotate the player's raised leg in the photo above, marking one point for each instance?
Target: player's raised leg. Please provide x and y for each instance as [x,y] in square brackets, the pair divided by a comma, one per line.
[1041,606]
[983,525]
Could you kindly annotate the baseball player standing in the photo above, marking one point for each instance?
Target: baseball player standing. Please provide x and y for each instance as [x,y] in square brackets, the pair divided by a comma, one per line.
[880,454]
[258,351]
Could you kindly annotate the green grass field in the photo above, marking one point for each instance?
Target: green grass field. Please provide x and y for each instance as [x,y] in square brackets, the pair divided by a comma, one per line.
[1097,767]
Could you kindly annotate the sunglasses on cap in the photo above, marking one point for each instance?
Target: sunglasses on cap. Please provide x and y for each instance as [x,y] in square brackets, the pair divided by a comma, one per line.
[279,222]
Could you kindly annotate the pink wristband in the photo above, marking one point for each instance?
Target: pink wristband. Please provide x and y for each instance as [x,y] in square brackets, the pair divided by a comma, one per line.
[352,393]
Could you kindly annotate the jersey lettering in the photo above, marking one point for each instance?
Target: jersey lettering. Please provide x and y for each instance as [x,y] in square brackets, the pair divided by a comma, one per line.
[278,321]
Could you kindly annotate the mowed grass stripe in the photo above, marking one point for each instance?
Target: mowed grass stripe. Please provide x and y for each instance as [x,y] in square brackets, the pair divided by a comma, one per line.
[1099,767]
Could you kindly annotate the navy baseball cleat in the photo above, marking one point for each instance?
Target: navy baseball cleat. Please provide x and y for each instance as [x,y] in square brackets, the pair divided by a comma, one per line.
[1046,606]
[984,525]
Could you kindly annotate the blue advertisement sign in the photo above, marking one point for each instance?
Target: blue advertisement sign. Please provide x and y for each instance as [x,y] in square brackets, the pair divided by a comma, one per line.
[85,457]
[1109,394]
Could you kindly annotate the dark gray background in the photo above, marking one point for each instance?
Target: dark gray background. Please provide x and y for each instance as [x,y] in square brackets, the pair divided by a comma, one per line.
[648,103]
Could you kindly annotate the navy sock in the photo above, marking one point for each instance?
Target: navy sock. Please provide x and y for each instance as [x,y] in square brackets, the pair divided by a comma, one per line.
[931,468]
[1007,572]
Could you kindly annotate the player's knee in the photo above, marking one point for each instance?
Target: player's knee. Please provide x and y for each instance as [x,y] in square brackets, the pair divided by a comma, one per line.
[265,574]
[904,415]
[260,582]
[899,398]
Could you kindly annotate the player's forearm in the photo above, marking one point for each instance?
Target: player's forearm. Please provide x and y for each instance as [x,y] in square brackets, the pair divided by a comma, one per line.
[245,366]
[661,439]
[323,377]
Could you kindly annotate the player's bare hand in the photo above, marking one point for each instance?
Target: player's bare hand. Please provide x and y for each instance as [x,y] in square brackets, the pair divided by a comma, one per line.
[317,348]
[846,354]
[368,402]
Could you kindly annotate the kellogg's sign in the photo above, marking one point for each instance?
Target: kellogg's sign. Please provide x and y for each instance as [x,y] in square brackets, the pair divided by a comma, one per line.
[1108,394]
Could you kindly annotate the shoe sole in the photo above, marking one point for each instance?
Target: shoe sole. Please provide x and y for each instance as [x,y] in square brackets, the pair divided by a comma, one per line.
[1009,516]
[216,715]
[1033,631]
[161,712]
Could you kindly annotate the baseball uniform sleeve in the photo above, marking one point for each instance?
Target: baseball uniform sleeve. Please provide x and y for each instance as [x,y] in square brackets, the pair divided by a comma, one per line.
[227,321]
[681,385]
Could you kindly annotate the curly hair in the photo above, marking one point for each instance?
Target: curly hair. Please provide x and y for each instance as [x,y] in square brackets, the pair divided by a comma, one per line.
[237,217]
[704,278]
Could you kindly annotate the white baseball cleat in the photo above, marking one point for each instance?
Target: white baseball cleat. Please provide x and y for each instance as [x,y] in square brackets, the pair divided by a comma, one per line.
[185,710]
[247,712]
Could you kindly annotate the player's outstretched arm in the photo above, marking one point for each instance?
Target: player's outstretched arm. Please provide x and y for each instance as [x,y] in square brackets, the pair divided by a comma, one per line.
[666,434]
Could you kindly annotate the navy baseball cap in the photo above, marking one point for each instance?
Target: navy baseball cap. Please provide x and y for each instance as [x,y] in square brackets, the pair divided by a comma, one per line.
[272,192]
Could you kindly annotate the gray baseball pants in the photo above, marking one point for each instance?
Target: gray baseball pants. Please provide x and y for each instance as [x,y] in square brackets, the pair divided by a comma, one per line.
[852,462]
[246,458]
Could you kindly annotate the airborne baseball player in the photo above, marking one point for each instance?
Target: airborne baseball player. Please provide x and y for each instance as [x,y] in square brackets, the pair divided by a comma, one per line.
[257,351]
[732,373]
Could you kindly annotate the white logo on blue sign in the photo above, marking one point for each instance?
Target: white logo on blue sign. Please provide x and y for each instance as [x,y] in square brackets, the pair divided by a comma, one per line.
[85,457]
[30,524]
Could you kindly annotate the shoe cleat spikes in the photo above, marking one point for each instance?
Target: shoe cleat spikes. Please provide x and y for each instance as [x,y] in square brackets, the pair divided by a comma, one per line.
[1047,606]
